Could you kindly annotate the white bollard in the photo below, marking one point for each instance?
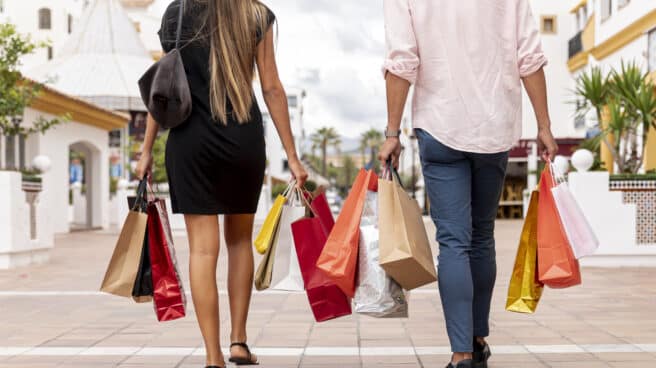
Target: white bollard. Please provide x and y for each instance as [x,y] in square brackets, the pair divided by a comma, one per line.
[121,199]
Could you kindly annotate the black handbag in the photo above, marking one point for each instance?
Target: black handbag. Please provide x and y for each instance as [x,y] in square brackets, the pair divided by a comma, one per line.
[142,292]
[164,87]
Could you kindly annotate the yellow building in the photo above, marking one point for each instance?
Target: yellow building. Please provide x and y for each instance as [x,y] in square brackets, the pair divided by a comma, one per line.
[608,33]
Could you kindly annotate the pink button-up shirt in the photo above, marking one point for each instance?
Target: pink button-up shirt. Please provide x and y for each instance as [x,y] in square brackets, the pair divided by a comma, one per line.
[465,59]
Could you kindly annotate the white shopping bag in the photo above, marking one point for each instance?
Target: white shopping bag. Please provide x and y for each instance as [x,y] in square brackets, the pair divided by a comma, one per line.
[376,295]
[577,228]
[286,270]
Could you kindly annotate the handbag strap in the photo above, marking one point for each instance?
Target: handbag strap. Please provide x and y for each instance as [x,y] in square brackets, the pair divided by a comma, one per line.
[178,32]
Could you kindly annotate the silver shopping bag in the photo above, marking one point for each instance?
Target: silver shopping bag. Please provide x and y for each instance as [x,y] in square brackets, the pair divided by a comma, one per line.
[377,294]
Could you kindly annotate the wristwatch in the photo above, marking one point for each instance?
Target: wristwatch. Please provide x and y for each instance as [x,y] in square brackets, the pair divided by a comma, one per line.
[392,134]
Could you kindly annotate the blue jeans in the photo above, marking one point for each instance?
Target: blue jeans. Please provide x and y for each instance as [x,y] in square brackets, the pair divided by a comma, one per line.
[464,191]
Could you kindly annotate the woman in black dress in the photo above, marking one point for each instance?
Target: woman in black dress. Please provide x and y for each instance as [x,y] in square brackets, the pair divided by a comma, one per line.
[216,160]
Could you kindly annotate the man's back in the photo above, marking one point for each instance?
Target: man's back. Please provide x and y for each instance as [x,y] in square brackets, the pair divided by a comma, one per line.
[466,58]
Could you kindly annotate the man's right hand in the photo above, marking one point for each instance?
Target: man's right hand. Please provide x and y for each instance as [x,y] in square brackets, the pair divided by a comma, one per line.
[391,149]
[547,145]
[145,165]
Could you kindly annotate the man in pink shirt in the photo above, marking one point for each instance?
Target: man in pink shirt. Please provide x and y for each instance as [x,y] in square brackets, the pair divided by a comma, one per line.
[466,60]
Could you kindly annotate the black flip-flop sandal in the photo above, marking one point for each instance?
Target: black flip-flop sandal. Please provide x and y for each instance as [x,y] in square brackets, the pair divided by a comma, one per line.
[243,361]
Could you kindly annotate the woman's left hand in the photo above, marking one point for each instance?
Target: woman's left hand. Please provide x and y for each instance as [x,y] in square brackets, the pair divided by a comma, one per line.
[298,172]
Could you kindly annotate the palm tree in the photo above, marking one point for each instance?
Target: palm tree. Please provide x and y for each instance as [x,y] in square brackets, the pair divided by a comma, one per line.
[322,139]
[372,139]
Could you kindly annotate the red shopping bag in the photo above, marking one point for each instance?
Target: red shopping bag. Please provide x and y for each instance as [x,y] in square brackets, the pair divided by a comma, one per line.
[168,294]
[327,300]
[557,266]
[339,258]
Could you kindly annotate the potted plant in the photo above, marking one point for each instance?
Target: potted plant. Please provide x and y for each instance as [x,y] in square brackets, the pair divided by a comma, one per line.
[625,100]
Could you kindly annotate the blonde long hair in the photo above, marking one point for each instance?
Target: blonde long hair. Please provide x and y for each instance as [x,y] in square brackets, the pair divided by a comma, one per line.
[234,26]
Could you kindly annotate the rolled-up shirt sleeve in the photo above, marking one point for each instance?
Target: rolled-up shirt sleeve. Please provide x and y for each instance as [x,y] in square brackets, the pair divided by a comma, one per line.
[402,57]
[530,55]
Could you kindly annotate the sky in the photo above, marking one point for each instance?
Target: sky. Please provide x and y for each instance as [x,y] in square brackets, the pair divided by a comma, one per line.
[334,50]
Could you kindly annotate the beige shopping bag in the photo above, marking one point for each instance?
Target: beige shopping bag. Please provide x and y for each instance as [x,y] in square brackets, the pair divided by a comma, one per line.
[124,265]
[405,252]
[264,271]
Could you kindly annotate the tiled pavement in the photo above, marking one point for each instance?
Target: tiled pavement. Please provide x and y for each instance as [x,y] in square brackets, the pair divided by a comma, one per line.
[51,316]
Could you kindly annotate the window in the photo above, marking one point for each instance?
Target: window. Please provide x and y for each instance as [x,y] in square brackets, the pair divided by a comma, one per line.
[548,24]
[45,18]
[70,24]
[651,51]
[49,52]
[293,101]
[606,9]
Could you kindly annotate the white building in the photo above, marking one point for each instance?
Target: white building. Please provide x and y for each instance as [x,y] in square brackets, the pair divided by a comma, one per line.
[147,18]
[28,219]
[556,26]
[278,167]
[44,20]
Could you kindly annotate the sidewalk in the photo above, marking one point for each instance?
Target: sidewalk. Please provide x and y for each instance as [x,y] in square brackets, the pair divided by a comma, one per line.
[52,316]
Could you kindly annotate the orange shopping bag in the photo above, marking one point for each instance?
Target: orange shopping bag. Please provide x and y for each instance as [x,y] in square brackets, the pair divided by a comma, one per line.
[557,266]
[339,258]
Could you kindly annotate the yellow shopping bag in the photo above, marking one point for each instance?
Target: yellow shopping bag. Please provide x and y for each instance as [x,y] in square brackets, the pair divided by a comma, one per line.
[525,289]
[265,237]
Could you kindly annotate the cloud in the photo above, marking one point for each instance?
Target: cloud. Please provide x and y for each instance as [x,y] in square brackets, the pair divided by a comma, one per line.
[334,50]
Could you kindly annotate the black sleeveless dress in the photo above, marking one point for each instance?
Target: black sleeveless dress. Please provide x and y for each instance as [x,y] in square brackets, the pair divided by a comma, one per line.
[212,168]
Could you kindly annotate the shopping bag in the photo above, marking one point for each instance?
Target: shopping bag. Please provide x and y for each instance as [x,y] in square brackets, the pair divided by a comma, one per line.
[286,273]
[264,273]
[265,236]
[579,232]
[262,279]
[557,266]
[168,294]
[377,294]
[405,252]
[339,257]
[143,284]
[525,289]
[327,300]
[123,267]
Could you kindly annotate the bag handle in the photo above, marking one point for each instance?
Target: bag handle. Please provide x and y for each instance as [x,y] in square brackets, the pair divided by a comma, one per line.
[139,203]
[390,173]
[304,199]
[178,32]
[556,175]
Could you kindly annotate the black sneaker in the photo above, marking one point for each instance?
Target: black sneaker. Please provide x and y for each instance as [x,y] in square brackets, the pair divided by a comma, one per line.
[481,355]
[462,364]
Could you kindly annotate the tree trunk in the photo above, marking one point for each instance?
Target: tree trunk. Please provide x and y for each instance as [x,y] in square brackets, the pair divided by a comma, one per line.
[323,158]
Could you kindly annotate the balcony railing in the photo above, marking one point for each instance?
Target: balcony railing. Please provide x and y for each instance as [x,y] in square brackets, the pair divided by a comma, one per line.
[575,45]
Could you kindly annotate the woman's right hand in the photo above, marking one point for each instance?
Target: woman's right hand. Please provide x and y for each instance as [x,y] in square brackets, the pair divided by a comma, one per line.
[298,172]
[145,165]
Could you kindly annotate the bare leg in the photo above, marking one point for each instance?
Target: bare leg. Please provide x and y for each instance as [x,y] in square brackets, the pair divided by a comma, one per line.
[238,236]
[203,232]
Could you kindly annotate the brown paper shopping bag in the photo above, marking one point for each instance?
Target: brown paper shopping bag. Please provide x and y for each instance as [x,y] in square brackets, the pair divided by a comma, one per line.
[405,252]
[124,265]
[525,290]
